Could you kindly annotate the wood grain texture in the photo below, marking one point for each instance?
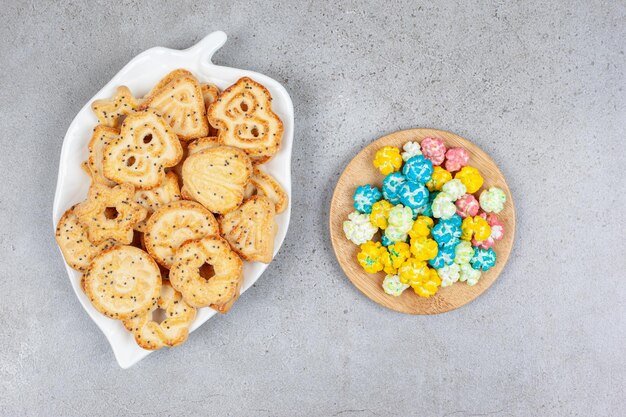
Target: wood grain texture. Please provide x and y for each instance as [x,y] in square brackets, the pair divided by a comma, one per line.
[361,171]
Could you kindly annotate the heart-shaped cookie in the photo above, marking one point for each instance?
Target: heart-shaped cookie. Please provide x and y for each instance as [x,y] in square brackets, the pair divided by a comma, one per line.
[217,178]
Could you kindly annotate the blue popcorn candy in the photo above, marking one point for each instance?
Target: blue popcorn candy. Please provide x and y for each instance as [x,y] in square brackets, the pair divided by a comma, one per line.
[447,232]
[385,241]
[483,259]
[418,169]
[455,220]
[391,185]
[445,256]
[428,208]
[364,197]
[413,194]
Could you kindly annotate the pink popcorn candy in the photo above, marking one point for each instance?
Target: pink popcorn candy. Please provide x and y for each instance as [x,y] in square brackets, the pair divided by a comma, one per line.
[467,205]
[434,150]
[456,158]
[497,231]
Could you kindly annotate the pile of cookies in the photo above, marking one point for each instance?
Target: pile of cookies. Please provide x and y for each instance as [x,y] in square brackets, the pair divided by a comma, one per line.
[435,227]
[178,201]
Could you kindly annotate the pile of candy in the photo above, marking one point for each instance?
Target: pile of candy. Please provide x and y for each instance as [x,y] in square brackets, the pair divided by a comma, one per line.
[434,231]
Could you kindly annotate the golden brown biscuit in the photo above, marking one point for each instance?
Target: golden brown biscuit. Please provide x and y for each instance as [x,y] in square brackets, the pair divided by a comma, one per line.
[201,144]
[156,197]
[101,137]
[262,183]
[111,112]
[210,93]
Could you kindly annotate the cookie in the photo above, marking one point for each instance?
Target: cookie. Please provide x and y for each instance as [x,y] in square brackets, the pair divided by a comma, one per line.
[110,213]
[154,198]
[262,183]
[244,117]
[146,147]
[207,272]
[172,331]
[101,137]
[210,93]
[174,224]
[251,228]
[217,178]
[111,112]
[201,144]
[123,282]
[71,235]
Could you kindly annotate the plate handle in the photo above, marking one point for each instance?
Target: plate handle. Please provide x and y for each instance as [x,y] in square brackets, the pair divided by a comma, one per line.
[209,45]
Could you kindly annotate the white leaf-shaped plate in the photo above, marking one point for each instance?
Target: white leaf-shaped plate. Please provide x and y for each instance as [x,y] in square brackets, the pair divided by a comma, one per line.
[140,75]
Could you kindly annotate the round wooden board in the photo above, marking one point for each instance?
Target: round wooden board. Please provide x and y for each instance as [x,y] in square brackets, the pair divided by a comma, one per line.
[361,171]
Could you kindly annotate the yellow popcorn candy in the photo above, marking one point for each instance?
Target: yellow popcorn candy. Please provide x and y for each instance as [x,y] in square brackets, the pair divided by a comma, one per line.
[380,213]
[372,256]
[413,271]
[471,179]
[429,286]
[399,252]
[423,248]
[439,177]
[421,227]
[388,159]
[475,227]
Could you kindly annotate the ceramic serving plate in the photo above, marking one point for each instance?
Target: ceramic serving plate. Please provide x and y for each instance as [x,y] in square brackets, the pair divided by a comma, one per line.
[140,75]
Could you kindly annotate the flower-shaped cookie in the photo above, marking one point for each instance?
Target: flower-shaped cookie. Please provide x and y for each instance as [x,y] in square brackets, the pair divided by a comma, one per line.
[469,274]
[471,178]
[358,228]
[454,188]
[443,206]
[393,286]
[497,231]
[483,259]
[418,169]
[372,256]
[475,228]
[388,160]
[423,248]
[449,274]
[421,227]
[411,149]
[380,213]
[456,158]
[399,252]
[445,256]
[413,195]
[429,286]
[447,232]
[434,150]
[439,177]
[463,252]
[492,200]
[467,206]
[391,186]
[365,196]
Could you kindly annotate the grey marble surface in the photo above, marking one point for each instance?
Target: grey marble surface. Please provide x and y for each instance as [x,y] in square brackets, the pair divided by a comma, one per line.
[538,85]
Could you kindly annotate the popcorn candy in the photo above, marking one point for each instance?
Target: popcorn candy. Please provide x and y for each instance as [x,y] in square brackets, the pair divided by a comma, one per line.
[492,200]
[439,177]
[467,206]
[399,252]
[393,286]
[454,188]
[421,227]
[449,274]
[471,178]
[445,256]
[388,160]
[443,206]
[380,213]
[475,227]
[384,240]
[429,286]
[413,271]
[463,252]
[359,229]
[483,259]
[400,217]
[497,231]
[434,150]
[413,194]
[411,149]
[447,232]
[364,196]
[427,210]
[395,234]
[468,274]
[423,248]
[456,158]
[372,256]
[418,169]
[391,186]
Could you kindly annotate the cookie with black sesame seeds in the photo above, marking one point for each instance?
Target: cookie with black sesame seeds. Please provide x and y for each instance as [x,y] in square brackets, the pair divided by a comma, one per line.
[175,223]
[210,93]
[167,192]
[73,240]
[146,146]
[110,213]
[181,104]
[172,330]
[244,117]
[171,76]
[207,272]
[101,137]
[262,183]
[123,282]
[217,177]
[251,228]
[111,112]
[201,144]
